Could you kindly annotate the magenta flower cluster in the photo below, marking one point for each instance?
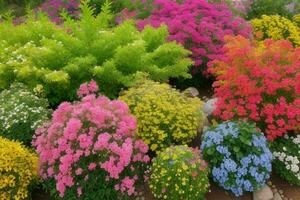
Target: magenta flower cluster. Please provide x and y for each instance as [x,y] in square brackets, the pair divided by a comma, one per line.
[198,25]
[92,134]
[54,8]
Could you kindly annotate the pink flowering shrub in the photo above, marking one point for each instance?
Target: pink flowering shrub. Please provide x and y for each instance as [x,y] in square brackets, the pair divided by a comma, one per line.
[89,150]
[259,81]
[198,25]
[54,8]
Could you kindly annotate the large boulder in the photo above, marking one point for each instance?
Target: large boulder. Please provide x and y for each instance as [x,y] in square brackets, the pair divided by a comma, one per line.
[265,193]
[210,106]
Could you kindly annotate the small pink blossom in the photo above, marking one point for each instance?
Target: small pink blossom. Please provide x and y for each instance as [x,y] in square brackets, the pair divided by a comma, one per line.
[92,166]
[79,191]
[78,171]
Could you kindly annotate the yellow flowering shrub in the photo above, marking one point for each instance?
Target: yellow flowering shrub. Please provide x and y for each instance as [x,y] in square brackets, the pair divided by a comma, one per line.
[165,116]
[178,172]
[18,170]
[276,27]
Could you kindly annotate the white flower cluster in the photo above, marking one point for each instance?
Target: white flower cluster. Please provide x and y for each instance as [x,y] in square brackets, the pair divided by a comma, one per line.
[21,114]
[21,109]
[291,162]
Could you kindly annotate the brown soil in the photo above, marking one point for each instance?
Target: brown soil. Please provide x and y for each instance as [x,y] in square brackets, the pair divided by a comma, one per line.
[289,191]
[217,193]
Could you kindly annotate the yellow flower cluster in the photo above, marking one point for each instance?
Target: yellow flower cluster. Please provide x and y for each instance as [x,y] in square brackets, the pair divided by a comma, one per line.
[18,170]
[296,19]
[165,116]
[276,27]
[179,173]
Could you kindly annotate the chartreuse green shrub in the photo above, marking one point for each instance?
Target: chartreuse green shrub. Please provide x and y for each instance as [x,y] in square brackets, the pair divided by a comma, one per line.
[21,112]
[164,115]
[18,170]
[178,172]
[59,58]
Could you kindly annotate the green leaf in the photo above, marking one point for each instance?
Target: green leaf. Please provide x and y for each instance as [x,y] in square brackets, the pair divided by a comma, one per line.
[210,151]
[236,149]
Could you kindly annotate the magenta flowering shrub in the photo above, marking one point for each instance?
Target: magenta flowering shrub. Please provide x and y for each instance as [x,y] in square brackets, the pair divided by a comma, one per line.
[54,8]
[89,150]
[198,25]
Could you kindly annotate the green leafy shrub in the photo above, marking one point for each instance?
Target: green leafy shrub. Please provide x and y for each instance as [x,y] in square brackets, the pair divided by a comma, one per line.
[21,112]
[17,7]
[165,116]
[61,57]
[178,172]
[284,8]
[286,153]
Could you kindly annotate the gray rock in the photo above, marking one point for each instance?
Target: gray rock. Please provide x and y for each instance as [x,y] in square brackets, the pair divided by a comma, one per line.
[265,193]
[191,92]
[210,106]
[277,196]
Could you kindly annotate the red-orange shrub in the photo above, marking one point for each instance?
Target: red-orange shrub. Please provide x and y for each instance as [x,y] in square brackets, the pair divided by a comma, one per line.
[259,81]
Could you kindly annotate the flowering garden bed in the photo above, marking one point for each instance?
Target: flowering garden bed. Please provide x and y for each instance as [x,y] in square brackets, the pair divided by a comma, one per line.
[150,99]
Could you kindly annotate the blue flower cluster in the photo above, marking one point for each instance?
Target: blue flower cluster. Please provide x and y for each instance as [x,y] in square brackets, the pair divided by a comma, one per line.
[237,165]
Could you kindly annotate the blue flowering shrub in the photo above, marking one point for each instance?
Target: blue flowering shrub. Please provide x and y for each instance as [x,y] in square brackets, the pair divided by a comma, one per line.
[286,154]
[238,155]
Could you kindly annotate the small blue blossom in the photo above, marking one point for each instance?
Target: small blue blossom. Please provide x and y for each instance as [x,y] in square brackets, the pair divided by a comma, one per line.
[230,165]
[223,150]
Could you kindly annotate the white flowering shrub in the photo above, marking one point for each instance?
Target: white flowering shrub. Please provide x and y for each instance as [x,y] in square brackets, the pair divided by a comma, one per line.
[286,153]
[21,112]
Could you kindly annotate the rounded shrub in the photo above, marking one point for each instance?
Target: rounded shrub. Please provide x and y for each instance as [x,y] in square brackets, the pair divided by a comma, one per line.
[178,172]
[165,116]
[286,153]
[89,150]
[198,25]
[238,155]
[277,28]
[21,112]
[259,82]
[18,170]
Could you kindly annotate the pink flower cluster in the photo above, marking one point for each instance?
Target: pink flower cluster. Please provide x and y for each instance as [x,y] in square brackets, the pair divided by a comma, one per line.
[79,132]
[87,88]
[198,25]
[55,7]
[259,82]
